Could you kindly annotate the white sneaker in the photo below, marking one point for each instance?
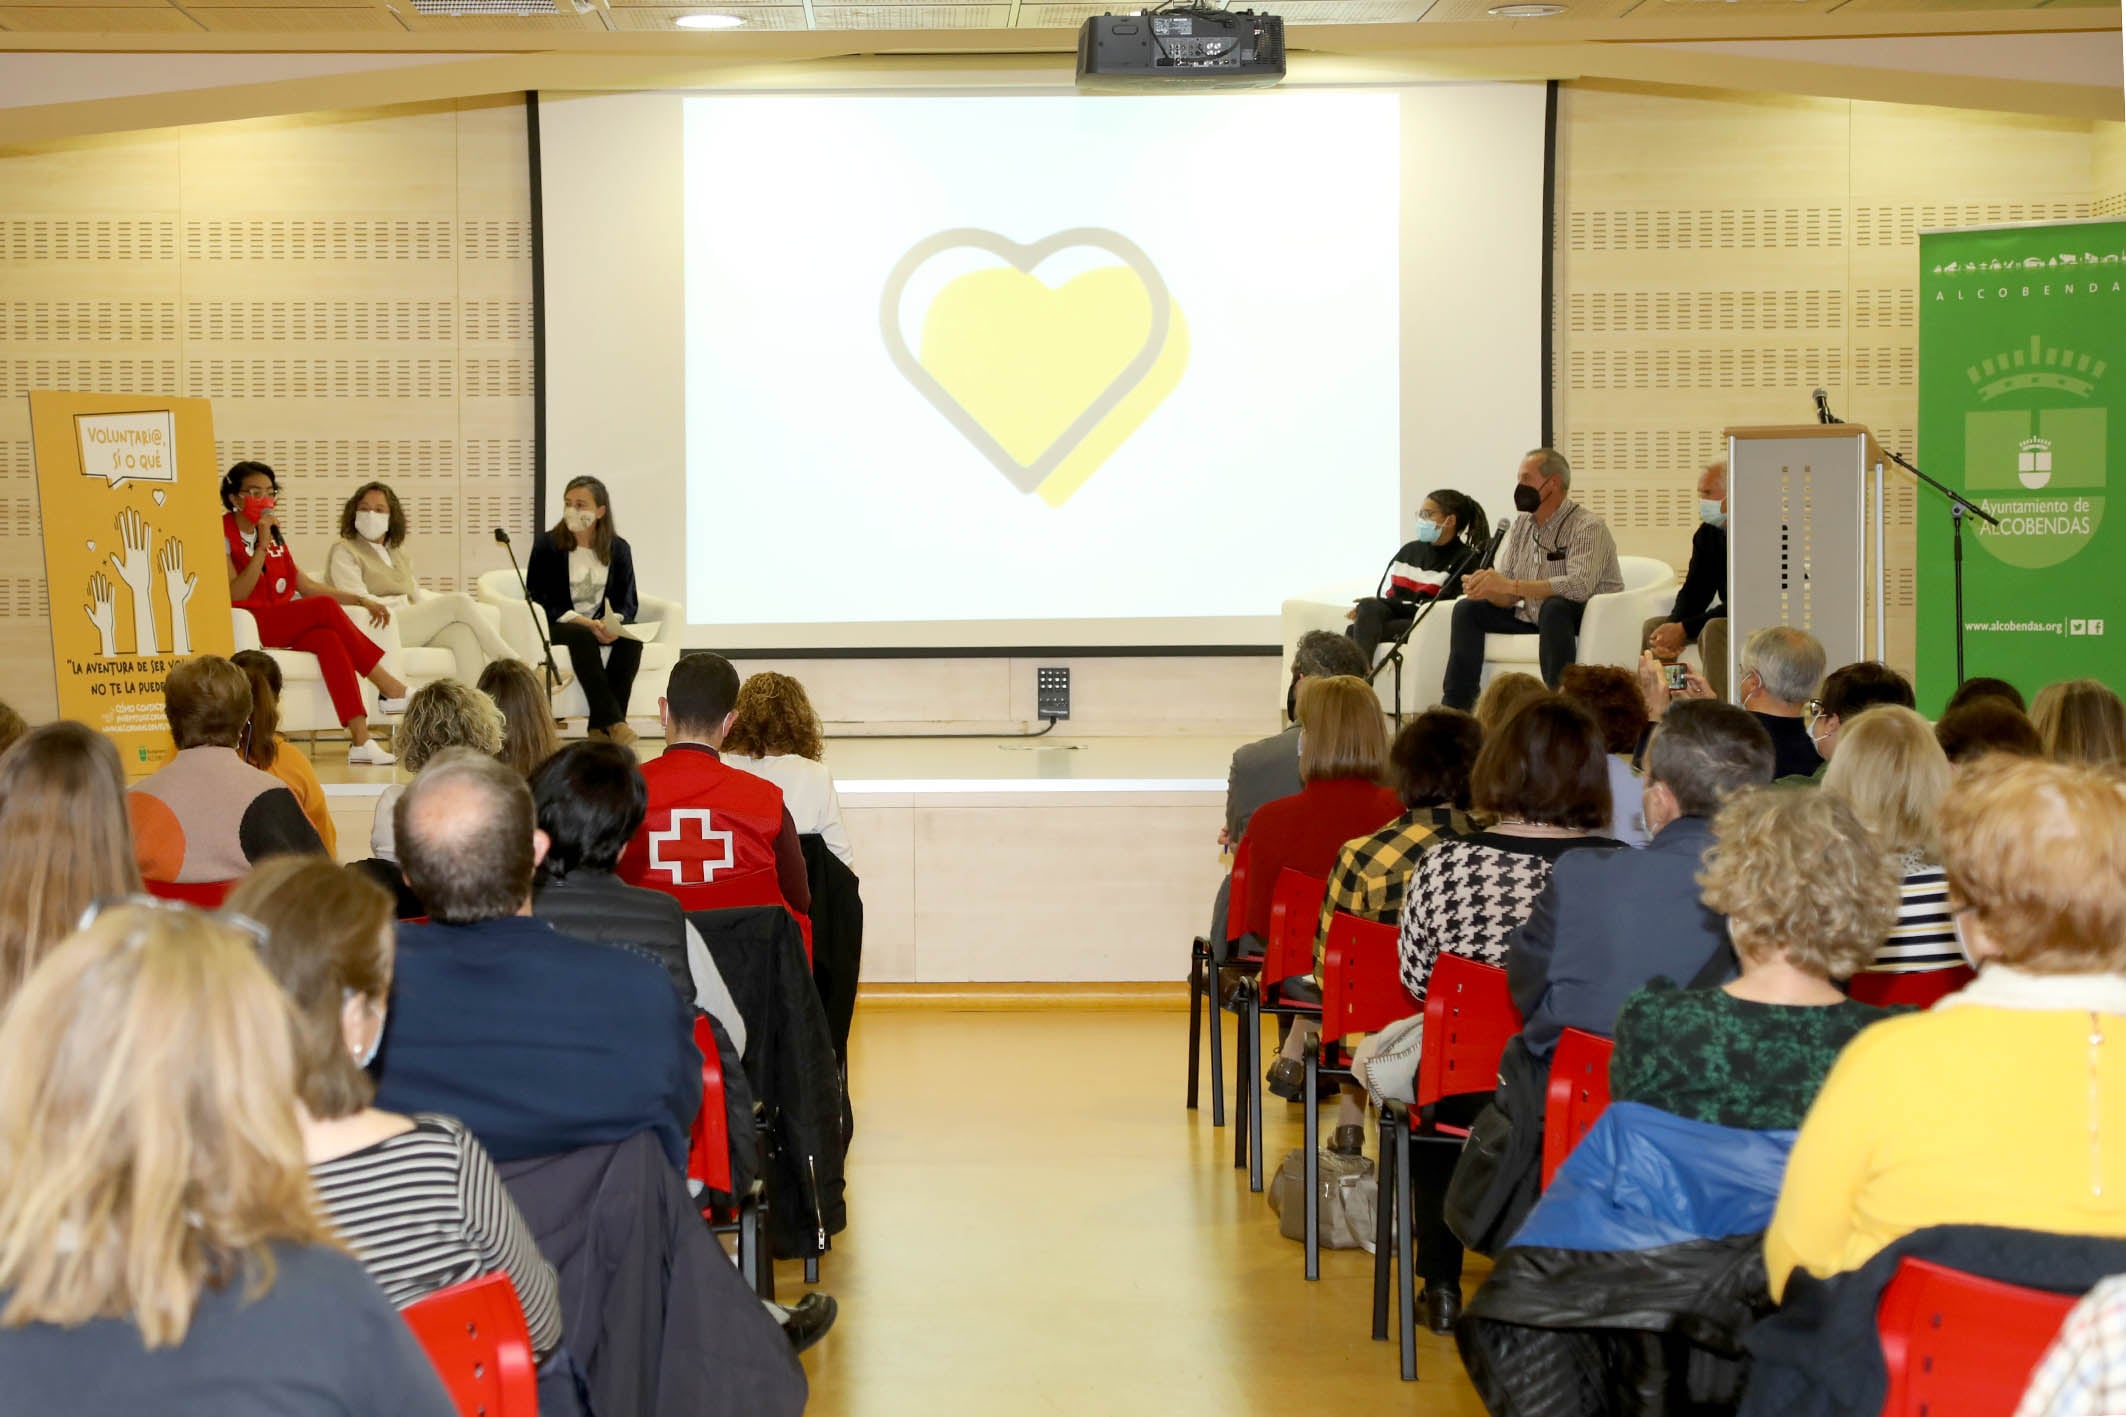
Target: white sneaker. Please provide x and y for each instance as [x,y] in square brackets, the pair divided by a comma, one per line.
[371,754]
[394,707]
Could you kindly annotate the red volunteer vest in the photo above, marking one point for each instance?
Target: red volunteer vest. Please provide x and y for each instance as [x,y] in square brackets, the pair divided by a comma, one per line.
[276,583]
[708,825]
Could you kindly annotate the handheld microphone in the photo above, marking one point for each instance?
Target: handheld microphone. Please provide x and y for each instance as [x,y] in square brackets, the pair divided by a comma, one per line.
[1823,408]
[276,530]
[1498,539]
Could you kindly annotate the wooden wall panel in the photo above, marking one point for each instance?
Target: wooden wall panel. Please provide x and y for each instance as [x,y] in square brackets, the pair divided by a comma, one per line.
[353,290]
[1720,255]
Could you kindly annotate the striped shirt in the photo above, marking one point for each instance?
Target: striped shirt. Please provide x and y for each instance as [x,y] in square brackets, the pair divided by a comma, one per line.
[1573,551]
[424,1210]
[1924,936]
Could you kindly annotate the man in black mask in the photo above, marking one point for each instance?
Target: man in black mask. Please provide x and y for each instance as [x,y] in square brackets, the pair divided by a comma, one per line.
[1557,555]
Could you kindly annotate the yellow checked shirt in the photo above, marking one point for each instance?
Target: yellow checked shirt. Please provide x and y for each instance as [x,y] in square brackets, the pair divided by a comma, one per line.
[1373,871]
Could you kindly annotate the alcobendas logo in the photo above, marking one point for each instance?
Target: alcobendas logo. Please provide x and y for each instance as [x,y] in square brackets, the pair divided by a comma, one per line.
[2049,458]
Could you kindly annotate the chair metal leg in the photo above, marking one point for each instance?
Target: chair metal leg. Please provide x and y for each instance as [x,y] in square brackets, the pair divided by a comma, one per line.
[1311,1170]
[812,1269]
[1217,1013]
[1383,1228]
[1195,1017]
[1255,1091]
[1243,1064]
[1405,1257]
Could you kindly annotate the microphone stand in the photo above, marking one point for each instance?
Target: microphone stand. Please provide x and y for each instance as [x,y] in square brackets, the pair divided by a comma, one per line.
[553,675]
[1395,652]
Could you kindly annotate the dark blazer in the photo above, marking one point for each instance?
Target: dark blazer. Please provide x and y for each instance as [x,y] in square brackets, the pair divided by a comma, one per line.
[546,579]
[1703,596]
[1608,922]
[538,1041]
[1262,771]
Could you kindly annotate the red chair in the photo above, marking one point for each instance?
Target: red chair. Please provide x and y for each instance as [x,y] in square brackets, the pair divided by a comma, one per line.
[1579,1093]
[207,895]
[1922,988]
[474,1333]
[1287,952]
[1469,1019]
[1205,973]
[709,1162]
[1958,1343]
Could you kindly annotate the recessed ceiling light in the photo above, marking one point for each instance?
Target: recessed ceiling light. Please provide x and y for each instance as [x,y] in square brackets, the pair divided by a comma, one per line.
[708,22]
[1525,12]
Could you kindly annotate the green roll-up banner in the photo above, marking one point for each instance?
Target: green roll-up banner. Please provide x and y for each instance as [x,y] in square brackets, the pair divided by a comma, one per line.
[2022,355]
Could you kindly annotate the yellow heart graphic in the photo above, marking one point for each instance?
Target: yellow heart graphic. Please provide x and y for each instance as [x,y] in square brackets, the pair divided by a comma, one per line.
[1047,381]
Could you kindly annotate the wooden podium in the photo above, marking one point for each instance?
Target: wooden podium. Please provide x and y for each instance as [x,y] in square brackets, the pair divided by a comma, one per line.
[1805,538]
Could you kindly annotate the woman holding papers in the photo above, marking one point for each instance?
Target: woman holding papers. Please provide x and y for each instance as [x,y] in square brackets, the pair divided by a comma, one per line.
[1448,525]
[582,576]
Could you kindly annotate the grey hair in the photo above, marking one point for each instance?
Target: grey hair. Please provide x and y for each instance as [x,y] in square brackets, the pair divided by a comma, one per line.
[1554,465]
[1706,750]
[464,830]
[1788,662]
[1322,654]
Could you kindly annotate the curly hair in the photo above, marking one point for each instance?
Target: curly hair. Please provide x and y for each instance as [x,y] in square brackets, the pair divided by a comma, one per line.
[1796,872]
[1612,696]
[774,717]
[448,714]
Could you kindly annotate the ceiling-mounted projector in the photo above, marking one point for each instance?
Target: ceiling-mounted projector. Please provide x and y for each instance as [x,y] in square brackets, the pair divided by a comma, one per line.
[1177,49]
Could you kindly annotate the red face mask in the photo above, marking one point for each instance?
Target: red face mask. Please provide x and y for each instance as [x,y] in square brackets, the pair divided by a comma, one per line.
[257,505]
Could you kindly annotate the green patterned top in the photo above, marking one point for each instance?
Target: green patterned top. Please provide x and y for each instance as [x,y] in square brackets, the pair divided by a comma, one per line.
[1709,1056]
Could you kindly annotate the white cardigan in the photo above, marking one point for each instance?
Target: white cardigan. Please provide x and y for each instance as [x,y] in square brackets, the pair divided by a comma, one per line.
[808,791]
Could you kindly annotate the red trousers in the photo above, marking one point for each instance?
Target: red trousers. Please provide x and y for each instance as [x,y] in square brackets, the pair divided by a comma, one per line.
[318,626]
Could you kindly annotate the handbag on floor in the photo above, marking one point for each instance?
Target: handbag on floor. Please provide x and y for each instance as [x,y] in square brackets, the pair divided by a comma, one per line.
[1350,1194]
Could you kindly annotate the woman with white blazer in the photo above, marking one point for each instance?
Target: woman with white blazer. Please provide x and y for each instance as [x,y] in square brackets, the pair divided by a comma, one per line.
[371,559]
[776,735]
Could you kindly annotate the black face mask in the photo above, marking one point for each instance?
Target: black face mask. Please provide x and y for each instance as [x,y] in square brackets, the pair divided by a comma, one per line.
[1526,498]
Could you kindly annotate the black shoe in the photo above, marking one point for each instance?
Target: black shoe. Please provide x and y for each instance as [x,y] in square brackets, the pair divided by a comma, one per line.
[811,1317]
[1441,1306]
[1287,1078]
[1299,989]
[1348,1140]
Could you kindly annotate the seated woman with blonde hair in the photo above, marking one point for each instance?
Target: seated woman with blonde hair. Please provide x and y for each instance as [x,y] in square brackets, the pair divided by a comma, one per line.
[2081,721]
[1892,769]
[445,714]
[416,1198]
[65,841]
[160,1248]
[775,734]
[2000,1105]
[529,737]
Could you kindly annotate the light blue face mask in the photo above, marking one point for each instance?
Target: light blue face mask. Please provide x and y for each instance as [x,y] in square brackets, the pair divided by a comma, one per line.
[1711,512]
[1427,532]
[364,1059]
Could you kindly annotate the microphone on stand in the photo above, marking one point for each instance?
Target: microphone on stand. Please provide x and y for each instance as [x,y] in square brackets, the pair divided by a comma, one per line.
[553,675]
[1395,651]
[1823,408]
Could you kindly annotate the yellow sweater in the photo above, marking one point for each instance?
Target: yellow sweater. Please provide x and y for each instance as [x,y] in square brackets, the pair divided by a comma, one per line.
[294,770]
[1969,1114]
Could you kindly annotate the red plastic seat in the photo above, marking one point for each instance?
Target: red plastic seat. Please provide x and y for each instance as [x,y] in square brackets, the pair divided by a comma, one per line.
[709,1145]
[207,895]
[474,1334]
[1958,1344]
[1579,1093]
[1287,953]
[1361,981]
[1921,988]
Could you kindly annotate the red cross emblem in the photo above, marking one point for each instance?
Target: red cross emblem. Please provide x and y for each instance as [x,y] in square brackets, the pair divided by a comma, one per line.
[678,851]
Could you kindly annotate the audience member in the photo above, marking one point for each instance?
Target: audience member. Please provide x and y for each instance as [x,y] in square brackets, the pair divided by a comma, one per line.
[1995,1106]
[1430,761]
[590,798]
[1753,1052]
[2084,1371]
[12,727]
[581,577]
[371,559]
[775,734]
[537,1041]
[1541,777]
[1268,768]
[1989,724]
[1699,616]
[1847,692]
[445,714]
[1554,559]
[1781,669]
[710,824]
[1506,695]
[1606,922]
[206,814]
[1894,774]
[1343,750]
[263,746]
[1430,567]
[1984,687]
[1612,696]
[160,1250]
[2081,721]
[529,737]
[416,1198]
[64,841]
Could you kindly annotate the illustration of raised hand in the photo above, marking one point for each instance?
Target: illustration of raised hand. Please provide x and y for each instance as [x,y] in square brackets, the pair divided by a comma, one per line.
[179,587]
[102,611]
[137,570]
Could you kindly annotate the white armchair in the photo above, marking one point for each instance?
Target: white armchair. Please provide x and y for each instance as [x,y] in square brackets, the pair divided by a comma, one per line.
[305,706]
[500,590]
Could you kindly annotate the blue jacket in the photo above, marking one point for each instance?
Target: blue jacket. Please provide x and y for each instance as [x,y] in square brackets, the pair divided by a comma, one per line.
[538,1041]
[546,580]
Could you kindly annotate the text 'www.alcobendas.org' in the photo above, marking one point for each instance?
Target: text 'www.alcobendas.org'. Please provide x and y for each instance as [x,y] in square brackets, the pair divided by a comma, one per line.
[2036,627]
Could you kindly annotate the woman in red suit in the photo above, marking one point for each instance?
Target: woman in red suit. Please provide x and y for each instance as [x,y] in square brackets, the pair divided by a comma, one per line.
[295,612]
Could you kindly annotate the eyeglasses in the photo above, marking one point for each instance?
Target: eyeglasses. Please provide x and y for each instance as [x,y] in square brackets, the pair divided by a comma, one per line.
[259,934]
[1811,711]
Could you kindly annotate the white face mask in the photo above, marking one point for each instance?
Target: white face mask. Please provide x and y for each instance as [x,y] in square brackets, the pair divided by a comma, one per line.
[372,525]
[580,518]
[365,1058]
[1963,941]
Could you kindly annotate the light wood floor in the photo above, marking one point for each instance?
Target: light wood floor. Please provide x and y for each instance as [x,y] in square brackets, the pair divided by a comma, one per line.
[1036,1225]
